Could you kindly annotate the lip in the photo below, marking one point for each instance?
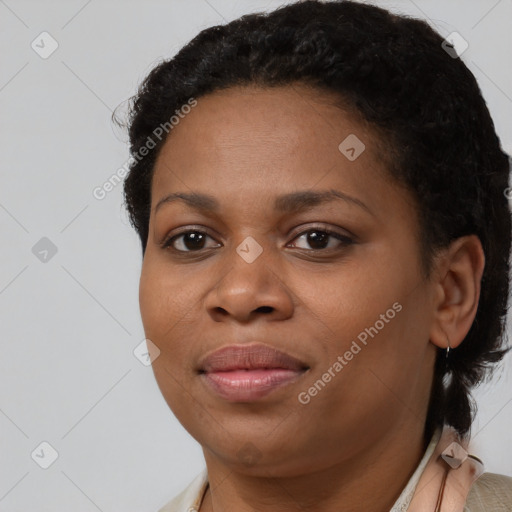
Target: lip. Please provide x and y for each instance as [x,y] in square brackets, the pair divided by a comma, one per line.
[245,373]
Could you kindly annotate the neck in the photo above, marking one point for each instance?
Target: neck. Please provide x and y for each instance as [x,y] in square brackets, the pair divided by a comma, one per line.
[372,480]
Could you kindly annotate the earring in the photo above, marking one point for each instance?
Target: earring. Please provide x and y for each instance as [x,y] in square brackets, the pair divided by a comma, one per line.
[448,348]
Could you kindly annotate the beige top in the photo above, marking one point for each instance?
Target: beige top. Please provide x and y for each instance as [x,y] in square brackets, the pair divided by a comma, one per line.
[489,493]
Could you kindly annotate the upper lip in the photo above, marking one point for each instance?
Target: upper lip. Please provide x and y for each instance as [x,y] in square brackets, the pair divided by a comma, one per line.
[249,357]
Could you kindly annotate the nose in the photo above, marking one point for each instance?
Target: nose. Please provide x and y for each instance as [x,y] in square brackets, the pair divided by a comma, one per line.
[250,289]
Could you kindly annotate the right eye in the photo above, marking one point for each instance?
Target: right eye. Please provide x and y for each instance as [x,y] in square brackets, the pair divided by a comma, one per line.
[189,241]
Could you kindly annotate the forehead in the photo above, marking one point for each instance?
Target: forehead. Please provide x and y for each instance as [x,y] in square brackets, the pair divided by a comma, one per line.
[252,133]
[248,146]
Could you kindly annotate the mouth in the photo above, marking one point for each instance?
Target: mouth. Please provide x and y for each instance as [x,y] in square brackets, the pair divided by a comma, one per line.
[245,373]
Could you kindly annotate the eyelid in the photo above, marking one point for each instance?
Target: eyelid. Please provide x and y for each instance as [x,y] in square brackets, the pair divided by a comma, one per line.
[321,227]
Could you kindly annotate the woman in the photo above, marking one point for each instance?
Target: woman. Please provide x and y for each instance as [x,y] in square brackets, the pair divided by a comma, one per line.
[321,200]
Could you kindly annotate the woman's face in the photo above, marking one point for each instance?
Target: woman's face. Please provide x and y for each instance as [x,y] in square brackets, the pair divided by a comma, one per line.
[258,268]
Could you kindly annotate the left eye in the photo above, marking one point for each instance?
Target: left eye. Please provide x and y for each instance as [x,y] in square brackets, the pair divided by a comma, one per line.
[318,239]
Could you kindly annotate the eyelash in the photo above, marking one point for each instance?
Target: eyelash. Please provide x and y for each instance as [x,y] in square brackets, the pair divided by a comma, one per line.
[344,240]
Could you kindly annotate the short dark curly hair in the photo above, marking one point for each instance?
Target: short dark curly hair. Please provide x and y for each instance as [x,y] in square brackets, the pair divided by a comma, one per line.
[426,106]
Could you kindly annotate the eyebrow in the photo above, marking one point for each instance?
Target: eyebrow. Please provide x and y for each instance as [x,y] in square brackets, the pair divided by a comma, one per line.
[287,203]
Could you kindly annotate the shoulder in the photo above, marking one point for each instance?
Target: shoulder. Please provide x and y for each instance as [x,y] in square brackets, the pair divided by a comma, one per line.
[490,493]
[190,498]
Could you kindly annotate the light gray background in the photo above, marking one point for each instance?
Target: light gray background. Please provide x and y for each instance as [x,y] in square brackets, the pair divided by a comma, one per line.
[68,375]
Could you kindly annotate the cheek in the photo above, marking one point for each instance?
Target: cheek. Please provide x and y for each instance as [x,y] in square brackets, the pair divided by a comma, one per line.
[164,316]
[376,303]
[169,303]
[162,297]
[348,300]
[151,299]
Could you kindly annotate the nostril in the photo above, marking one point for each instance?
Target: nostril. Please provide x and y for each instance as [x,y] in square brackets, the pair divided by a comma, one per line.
[265,309]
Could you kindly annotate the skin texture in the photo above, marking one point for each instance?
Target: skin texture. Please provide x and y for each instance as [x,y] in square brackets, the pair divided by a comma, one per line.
[362,434]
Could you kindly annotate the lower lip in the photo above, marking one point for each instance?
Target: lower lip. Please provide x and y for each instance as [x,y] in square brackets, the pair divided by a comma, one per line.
[249,385]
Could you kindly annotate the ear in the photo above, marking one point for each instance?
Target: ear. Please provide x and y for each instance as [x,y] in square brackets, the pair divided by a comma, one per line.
[456,291]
